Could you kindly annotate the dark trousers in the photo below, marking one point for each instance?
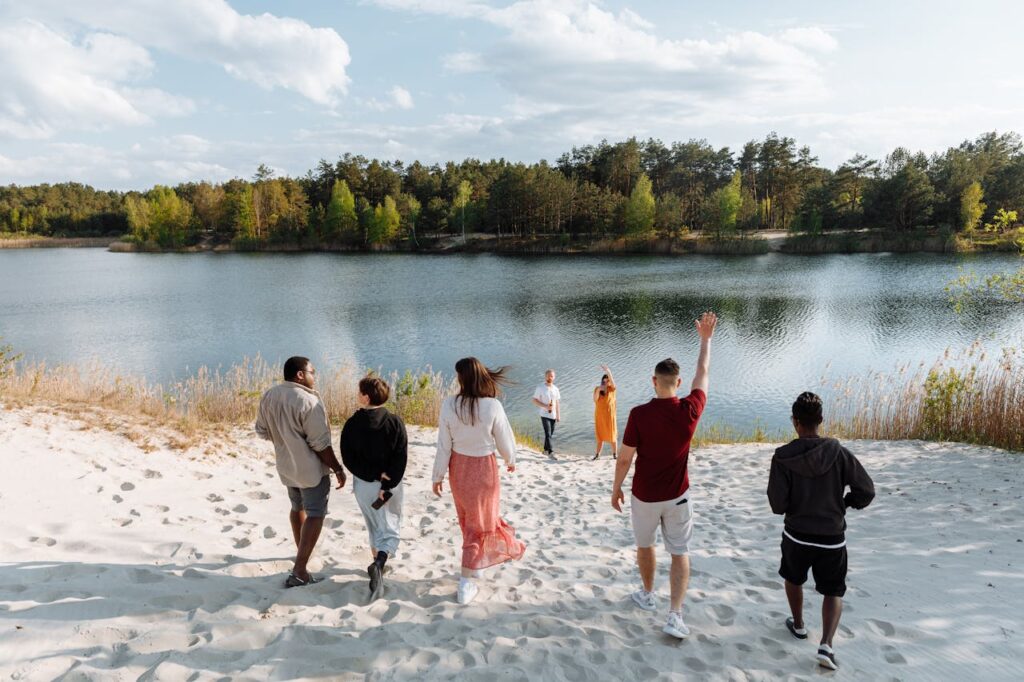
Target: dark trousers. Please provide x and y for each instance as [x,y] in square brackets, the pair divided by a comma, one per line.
[549,431]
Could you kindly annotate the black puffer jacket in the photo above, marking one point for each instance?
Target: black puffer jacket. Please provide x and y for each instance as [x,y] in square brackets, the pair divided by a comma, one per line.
[808,483]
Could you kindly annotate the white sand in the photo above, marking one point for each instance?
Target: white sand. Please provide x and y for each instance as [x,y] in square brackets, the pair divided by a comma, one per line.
[123,564]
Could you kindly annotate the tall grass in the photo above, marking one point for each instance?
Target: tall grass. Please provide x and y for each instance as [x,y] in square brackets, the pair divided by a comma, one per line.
[211,397]
[967,397]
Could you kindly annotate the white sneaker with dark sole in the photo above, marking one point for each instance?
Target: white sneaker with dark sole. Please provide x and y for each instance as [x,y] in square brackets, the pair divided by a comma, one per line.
[675,626]
[827,658]
[645,600]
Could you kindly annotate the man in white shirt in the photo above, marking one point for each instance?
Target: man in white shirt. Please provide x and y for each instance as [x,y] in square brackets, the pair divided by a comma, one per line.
[293,417]
[548,400]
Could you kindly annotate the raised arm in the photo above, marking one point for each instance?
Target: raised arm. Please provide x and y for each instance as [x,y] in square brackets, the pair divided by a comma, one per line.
[705,330]
[611,379]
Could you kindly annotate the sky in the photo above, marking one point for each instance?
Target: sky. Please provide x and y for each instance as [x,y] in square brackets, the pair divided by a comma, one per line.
[127,95]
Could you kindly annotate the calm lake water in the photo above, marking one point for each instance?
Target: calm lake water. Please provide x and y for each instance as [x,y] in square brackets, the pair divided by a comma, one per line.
[787,322]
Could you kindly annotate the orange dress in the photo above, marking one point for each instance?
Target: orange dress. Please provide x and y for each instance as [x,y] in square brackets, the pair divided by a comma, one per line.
[604,417]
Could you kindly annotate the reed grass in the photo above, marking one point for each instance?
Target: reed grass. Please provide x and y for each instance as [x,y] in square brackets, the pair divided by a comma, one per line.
[210,398]
[967,397]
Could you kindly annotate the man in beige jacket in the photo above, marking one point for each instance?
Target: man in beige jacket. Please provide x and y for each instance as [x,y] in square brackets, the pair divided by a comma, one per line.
[292,415]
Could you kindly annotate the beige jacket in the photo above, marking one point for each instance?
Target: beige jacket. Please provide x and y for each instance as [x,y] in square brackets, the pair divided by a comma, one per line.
[295,419]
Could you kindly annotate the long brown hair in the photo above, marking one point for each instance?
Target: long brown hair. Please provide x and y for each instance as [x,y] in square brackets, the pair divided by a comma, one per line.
[476,381]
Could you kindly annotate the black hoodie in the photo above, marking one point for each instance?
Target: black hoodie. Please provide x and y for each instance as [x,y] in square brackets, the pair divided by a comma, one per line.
[807,481]
[374,442]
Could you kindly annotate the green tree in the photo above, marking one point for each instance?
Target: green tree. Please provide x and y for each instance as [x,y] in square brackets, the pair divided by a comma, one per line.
[728,200]
[462,195]
[341,218]
[240,218]
[971,207]
[640,209]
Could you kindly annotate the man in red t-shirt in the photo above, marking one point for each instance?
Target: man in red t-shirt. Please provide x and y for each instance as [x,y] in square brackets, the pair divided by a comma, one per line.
[659,434]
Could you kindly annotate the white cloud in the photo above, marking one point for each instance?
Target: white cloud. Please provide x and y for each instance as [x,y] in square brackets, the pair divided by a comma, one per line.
[267,50]
[463,62]
[401,97]
[50,82]
[811,38]
[85,64]
[588,68]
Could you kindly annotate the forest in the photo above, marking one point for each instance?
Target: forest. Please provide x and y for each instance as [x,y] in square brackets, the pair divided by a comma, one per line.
[634,189]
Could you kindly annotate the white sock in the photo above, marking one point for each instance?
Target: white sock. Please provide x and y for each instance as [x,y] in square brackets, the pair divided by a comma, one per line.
[463,582]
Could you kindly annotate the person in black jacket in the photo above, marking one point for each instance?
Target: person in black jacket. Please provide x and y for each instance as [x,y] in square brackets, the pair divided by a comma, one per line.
[807,483]
[374,447]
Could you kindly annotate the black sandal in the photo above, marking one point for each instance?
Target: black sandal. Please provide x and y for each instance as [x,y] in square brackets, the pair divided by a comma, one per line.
[295,581]
[799,633]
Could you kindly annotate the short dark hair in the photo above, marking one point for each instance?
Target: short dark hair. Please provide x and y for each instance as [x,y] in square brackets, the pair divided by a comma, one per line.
[374,388]
[667,372]
[807,410]
[294,365]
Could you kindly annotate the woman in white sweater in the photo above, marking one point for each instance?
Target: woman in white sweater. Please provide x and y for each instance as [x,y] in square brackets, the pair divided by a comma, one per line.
[472,427]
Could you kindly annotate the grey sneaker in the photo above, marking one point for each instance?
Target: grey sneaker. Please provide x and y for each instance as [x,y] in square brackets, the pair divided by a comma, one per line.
[645,600]
[675,626]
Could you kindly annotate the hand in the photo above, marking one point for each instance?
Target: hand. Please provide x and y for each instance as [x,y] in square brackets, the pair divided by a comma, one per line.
[604,368]
[706,325]
[380,495]
[384,477]
[340,475]
[511,468]
[437,487]
[617,499]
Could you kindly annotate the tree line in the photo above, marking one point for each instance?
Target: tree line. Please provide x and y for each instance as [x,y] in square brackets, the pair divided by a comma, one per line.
[634,188]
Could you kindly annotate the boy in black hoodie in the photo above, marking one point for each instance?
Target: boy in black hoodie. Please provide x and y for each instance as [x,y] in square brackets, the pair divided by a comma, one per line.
[808,479]
[374,447]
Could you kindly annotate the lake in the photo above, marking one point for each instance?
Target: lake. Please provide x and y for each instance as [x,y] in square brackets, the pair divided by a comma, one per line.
[787,322]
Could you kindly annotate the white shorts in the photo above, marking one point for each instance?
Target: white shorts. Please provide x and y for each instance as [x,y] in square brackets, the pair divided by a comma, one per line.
[675,518]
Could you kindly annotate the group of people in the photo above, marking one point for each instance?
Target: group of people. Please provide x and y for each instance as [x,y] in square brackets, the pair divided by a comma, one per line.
[808,478]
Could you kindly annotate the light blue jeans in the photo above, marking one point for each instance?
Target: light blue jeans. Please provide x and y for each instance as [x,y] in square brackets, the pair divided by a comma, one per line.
[382,525]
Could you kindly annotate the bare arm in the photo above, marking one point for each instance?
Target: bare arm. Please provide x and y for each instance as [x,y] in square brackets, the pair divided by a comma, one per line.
[329,459]
[705,330]
[611,379]
[622,465]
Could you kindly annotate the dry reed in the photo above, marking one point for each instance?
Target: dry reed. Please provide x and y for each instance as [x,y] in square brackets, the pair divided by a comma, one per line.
[967,398]
[212,398]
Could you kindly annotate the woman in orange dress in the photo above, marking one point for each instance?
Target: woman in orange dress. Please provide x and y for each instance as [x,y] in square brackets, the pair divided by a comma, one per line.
[604,414]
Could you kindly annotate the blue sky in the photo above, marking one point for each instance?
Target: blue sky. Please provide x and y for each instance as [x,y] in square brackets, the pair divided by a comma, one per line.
[125,95]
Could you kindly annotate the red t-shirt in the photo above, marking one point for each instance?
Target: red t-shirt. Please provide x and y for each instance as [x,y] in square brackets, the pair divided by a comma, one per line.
[661,431]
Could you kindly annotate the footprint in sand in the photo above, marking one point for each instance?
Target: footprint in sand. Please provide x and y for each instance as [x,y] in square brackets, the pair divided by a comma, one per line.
[259,495]
[144,576]
[118,499]
[225,529]
[127,486]
[240,509]
[149,473]
[214,497]
[881,627]
[269,533]
[49,542]
[202,475]
[724,614]
[243,543]
[892,655]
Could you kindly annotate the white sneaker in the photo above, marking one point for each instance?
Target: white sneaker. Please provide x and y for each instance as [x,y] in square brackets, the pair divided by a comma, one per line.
[675,626]
[645,600]
[467,591]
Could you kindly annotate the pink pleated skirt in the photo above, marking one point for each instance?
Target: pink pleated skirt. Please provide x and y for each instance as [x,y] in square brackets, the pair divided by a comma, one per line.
[486,539]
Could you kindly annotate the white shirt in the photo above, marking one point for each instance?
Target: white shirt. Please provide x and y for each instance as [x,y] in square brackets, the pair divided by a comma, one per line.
[490,433]
[294,418]
[548,394]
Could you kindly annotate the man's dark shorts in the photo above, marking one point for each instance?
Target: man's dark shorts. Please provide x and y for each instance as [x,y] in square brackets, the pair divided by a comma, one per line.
[313,500]
[827,565]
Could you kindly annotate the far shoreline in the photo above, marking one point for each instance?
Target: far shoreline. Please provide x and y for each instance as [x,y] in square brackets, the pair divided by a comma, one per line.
[744,244]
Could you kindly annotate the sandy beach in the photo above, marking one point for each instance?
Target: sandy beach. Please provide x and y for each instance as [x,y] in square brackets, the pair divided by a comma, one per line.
[126,558]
